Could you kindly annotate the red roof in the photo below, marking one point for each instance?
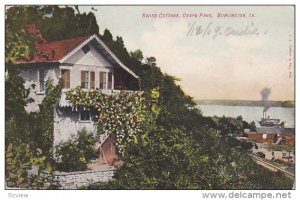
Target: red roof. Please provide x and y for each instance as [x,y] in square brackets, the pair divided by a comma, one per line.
[54,51]
[31,28]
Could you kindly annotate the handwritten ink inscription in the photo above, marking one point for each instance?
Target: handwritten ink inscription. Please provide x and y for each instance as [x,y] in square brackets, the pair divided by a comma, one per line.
[215,31]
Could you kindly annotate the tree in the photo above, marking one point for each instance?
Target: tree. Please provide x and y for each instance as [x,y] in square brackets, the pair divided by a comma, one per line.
[252,126]
[42,122]
[16,127]
[151,61]
[137,54]
[19,44]
[54,22]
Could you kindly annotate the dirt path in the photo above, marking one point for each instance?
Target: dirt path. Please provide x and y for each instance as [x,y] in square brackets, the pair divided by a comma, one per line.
[97,165]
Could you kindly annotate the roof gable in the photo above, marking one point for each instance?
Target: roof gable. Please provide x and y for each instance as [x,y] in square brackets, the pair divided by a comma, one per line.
[89,57]
[61,51]
[103,49]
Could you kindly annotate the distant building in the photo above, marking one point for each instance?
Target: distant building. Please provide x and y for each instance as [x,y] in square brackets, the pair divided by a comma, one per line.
[273,135]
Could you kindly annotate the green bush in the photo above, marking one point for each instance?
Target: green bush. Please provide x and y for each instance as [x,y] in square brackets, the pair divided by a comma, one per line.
[74,155]
[20,160]
[246,145]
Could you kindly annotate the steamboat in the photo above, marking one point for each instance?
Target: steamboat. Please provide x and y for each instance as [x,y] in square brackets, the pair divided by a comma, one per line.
[267,121]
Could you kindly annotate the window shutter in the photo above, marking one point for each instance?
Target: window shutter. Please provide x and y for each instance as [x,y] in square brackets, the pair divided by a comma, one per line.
[83,79]
[92,83]
[109,80]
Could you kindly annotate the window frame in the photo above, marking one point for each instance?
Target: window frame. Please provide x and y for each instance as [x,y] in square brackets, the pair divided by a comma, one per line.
[104,73]
[63,76]
[85,120]
[86,81]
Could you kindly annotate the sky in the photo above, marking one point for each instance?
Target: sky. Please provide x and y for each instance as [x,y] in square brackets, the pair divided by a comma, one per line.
[214,57]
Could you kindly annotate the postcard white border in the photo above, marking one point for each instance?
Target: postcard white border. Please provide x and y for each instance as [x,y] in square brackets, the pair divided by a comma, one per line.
[115,194]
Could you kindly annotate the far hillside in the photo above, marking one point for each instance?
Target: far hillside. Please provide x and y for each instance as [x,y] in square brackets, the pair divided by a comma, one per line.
[288,104]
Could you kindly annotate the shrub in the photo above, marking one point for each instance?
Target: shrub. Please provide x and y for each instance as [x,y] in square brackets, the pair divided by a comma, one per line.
[26,168]
[74,155]
[246,145]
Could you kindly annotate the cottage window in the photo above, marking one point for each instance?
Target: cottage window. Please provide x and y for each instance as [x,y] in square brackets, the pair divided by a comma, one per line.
[65,75]
[265,136]
[102,78]
[86,48]
[85,79]
[41,76]
[109,80]
[92,84]
[85,116]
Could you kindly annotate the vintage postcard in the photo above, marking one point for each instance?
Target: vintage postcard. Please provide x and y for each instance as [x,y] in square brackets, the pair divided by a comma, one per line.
[160,97]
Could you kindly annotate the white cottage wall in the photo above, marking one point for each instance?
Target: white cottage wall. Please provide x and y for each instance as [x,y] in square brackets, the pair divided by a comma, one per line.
[90,61]
[67,124]
[31,82]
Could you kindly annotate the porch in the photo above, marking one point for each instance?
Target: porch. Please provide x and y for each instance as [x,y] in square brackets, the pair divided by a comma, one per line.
[66,103]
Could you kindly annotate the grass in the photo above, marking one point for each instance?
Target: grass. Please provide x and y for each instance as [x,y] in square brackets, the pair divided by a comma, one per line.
[280,147]
[252,140]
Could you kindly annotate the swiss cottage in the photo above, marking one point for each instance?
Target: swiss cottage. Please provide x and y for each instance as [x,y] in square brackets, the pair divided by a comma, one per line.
[86,62]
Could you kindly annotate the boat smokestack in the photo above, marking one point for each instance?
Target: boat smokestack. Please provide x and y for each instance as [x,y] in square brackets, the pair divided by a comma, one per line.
[264,114]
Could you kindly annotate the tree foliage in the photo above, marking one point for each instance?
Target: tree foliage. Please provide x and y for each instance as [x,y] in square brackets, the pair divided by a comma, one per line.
[21,158]
[54,22]
[118,115]
[42,122]
[15,115]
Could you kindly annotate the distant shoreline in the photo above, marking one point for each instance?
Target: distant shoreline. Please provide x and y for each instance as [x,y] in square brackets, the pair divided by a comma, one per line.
[286,104]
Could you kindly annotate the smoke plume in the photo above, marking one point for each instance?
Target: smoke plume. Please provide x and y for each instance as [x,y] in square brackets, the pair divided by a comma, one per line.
[265,98]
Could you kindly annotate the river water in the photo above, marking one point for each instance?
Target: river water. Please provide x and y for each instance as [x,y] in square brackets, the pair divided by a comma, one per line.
[250,113]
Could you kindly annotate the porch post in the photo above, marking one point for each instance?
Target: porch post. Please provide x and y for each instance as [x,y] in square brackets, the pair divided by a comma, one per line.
[112,80]
[106,80]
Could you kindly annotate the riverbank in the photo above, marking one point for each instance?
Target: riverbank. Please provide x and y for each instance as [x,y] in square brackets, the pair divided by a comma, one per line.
[286,104]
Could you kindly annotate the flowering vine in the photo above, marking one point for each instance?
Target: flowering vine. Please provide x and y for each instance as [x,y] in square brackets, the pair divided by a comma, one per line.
[119,114]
